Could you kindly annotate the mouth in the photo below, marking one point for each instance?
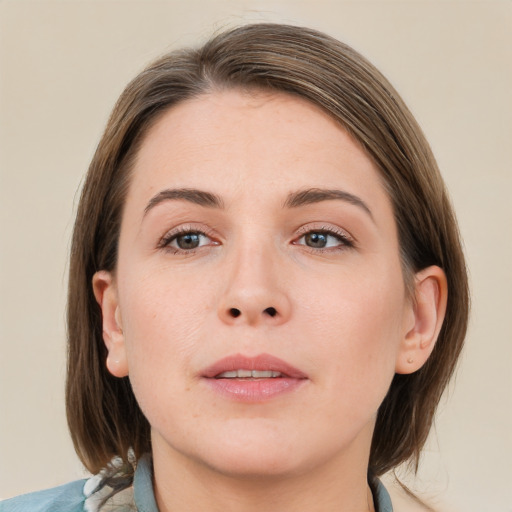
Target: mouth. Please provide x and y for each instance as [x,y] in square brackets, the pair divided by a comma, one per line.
[253,379]
[263,366]
[249,374]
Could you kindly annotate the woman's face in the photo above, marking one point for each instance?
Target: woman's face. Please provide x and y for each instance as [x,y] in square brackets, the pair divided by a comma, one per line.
[256,236]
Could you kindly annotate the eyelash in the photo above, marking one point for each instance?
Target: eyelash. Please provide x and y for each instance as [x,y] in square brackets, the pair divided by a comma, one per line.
[166,241]
[346,241]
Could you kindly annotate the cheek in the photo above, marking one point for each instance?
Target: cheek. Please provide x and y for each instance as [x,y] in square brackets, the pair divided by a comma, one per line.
[361,301]
[164,318]
[355,321]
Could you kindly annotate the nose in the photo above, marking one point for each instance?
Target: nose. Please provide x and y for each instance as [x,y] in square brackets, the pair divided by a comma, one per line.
[255,290]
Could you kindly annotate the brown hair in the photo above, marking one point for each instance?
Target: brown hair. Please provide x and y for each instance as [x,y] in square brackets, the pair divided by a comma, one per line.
[103,415]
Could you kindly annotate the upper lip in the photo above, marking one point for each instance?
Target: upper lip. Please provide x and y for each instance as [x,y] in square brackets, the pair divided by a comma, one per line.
[262,362]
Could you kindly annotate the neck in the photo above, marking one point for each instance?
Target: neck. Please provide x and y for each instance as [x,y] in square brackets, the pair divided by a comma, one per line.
[182,484]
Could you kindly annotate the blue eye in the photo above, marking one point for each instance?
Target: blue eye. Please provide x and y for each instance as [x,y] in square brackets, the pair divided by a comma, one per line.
[317,240]
[189,240]
[185,241]
[322,239]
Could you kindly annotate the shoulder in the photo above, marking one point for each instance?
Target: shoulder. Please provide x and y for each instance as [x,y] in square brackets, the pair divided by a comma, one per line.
[65,498]
[111,489]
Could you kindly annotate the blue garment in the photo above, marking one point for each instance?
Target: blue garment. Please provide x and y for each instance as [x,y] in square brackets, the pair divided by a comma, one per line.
[107,491]
[381,498]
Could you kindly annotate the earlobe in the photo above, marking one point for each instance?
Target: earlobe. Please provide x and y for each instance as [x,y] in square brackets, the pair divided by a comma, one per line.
[428,311]
[105,291]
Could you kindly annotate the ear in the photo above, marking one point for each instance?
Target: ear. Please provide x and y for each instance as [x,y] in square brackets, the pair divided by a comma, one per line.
[428,308]
[105,291]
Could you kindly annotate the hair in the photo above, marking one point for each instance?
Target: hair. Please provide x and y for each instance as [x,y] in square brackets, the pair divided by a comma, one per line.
[102,411]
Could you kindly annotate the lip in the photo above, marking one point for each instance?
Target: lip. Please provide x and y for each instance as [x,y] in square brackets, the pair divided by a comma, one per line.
[263,362]
[253,390]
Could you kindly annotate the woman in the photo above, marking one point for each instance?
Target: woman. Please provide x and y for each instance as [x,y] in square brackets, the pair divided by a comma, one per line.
[267,290]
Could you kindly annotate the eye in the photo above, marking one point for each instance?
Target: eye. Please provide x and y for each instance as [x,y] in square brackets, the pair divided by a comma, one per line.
[185,240]
[189,241]
[324,239]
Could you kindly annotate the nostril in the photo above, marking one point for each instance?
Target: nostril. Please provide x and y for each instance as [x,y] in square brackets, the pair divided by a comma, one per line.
[270,311]
[235,312]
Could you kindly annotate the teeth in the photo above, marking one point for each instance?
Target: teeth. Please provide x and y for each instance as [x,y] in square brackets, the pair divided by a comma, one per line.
[248,374]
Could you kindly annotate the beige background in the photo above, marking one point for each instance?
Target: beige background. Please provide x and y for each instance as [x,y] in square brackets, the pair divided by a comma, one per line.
[62,65]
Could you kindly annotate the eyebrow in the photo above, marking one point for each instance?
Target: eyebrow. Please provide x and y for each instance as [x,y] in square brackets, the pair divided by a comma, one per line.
[294,199]
[317,195]
[192,195]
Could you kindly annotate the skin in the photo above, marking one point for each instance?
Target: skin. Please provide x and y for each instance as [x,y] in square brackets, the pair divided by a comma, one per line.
[342,314]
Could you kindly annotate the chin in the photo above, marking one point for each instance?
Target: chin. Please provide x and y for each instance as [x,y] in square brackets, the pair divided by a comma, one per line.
[250,465]
[260,453]
[246,451]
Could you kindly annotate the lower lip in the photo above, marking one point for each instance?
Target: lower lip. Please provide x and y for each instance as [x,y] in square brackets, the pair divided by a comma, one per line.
[252,390]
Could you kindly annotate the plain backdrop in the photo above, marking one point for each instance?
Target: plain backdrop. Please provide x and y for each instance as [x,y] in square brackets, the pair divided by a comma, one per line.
[62,66]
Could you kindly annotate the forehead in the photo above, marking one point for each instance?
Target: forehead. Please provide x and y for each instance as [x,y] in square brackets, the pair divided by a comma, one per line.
[231,142]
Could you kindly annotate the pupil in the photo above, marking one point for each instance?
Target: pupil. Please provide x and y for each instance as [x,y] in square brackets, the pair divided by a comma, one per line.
[317,240]
[188,241]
